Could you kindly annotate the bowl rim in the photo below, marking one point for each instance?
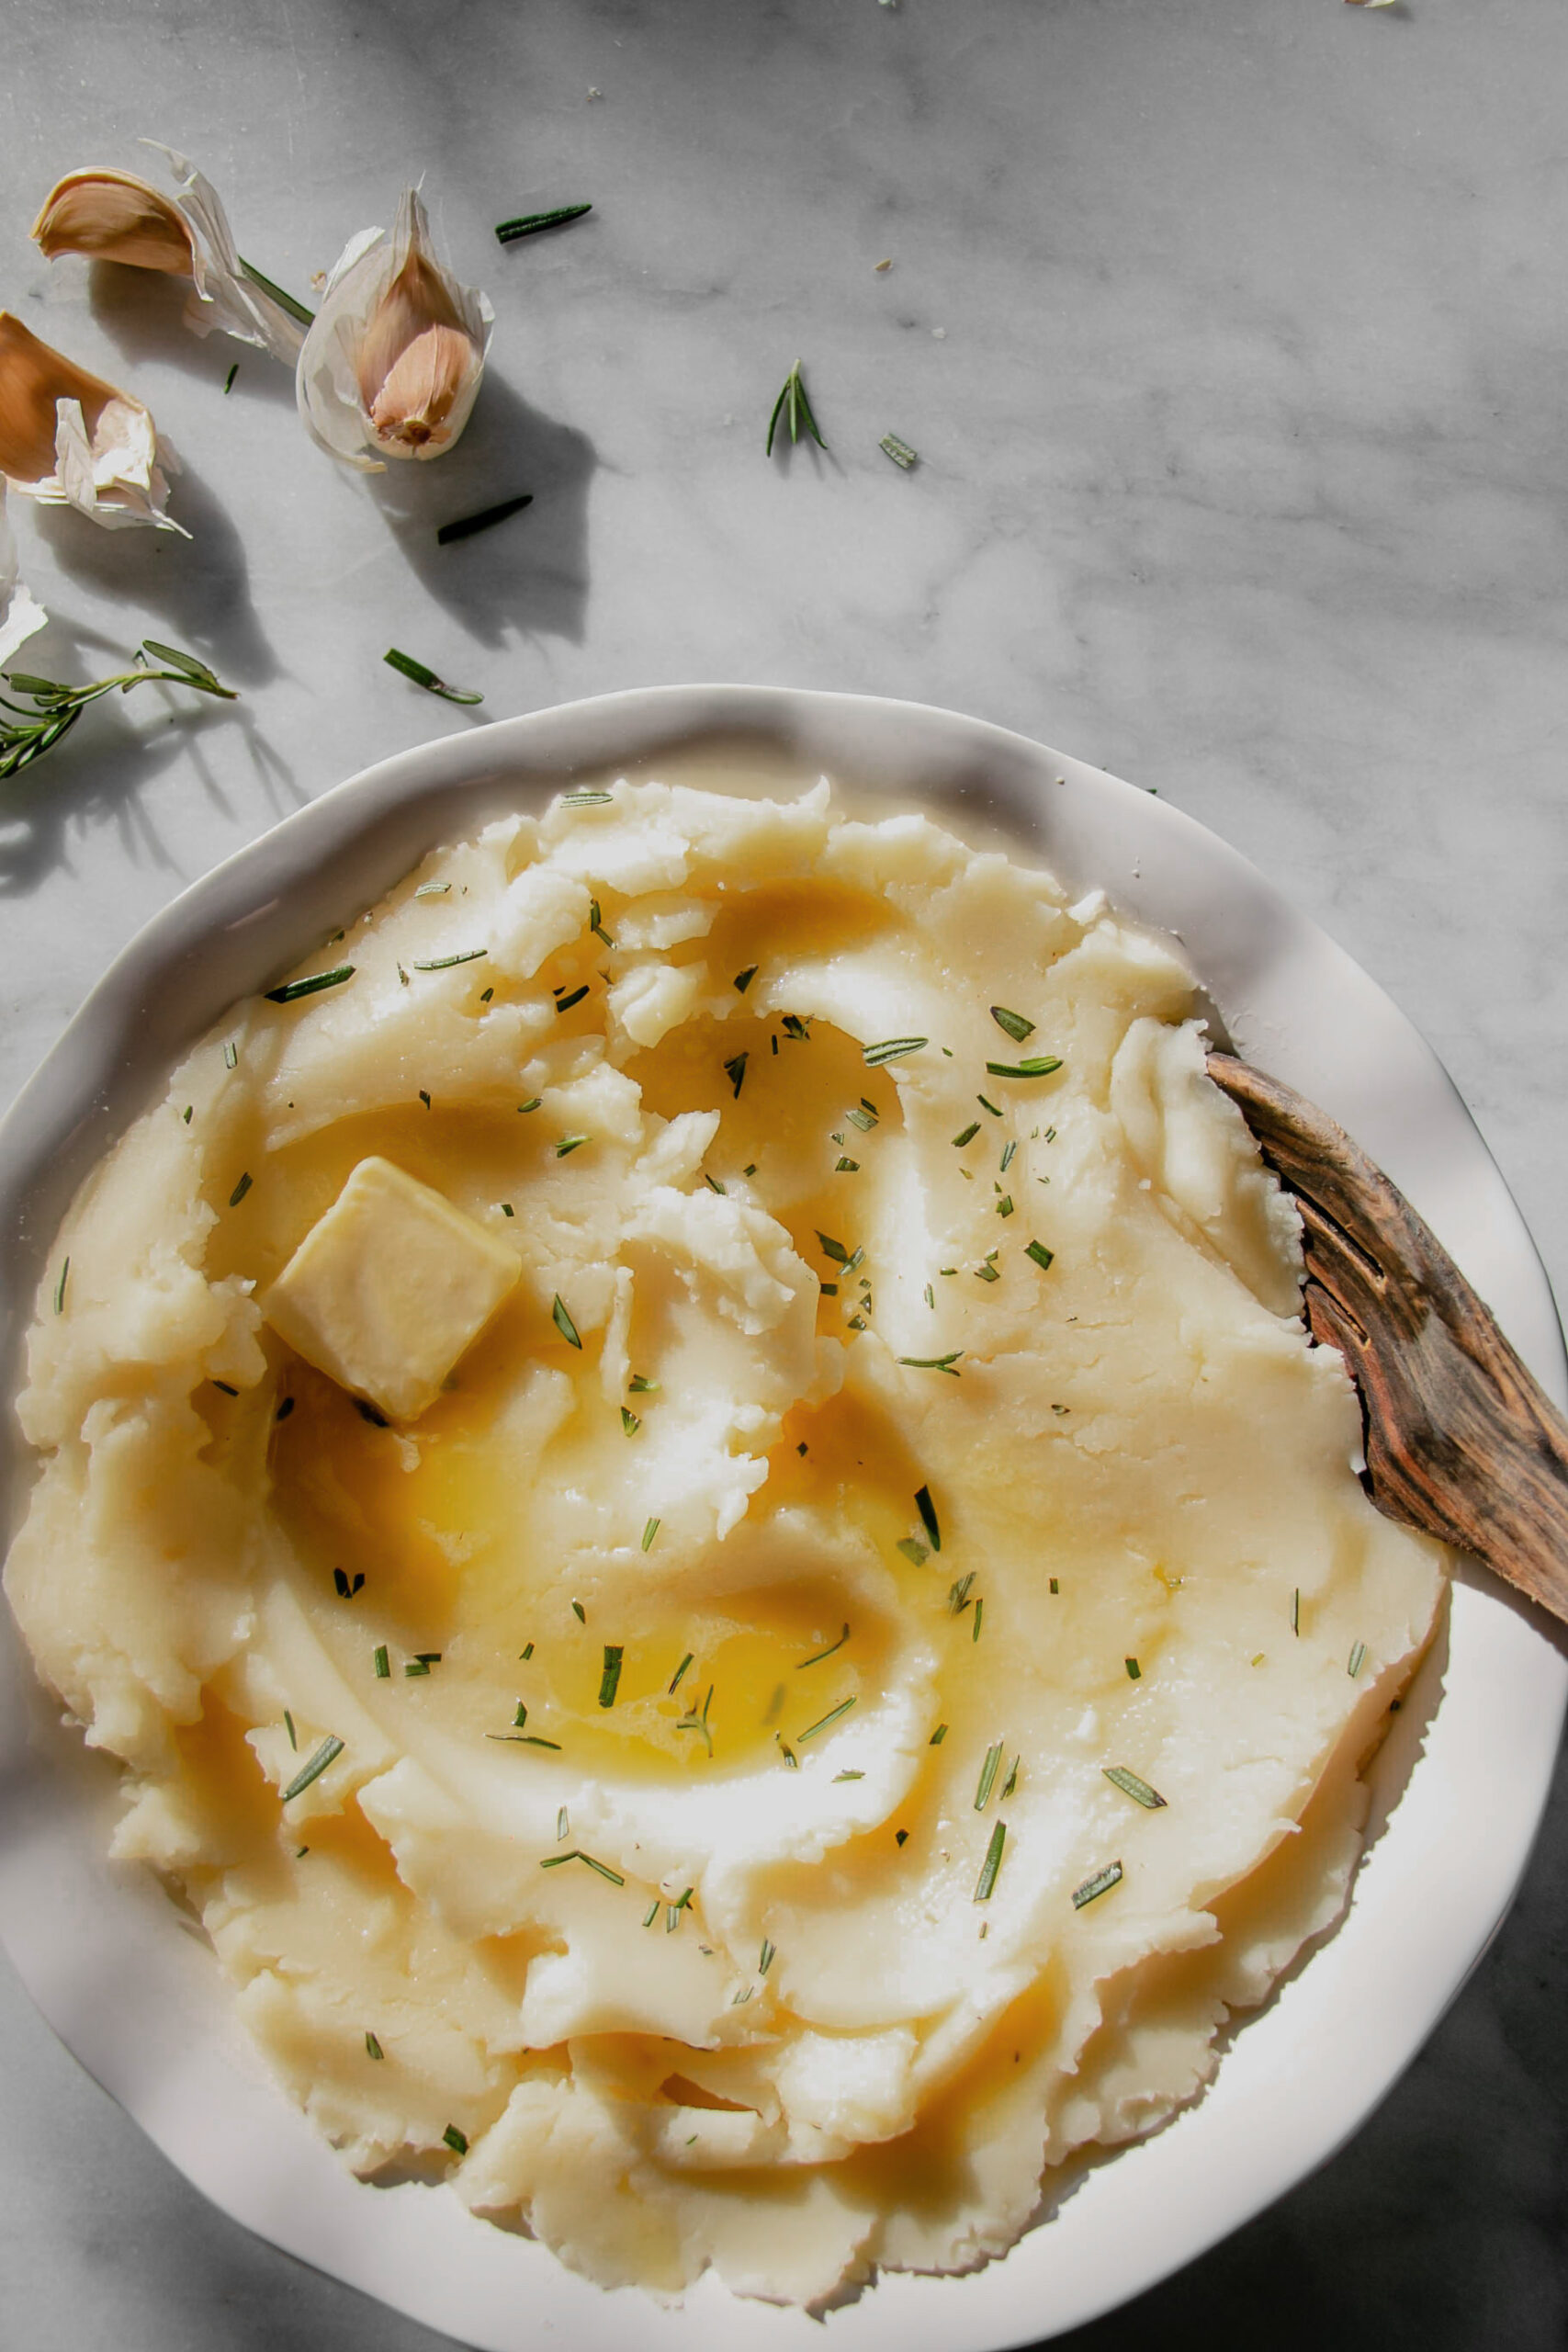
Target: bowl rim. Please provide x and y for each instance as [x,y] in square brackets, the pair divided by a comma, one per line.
[262,907]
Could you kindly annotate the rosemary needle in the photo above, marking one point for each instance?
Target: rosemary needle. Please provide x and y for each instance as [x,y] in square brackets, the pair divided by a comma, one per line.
[795,409]
[30,731]
[529,223]
[426,678]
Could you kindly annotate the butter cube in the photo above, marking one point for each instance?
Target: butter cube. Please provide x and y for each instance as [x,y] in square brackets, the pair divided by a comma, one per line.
[389,1288]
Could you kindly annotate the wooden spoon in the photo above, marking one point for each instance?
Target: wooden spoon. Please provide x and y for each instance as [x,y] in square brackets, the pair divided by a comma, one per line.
[1460,1442]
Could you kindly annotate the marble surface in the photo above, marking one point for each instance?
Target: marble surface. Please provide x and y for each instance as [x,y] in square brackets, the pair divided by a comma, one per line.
[1231,333]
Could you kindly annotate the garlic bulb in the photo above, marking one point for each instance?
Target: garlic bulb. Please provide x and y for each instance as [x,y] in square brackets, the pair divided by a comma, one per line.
[69,439]
[392,364]
[111,215]
[20,613]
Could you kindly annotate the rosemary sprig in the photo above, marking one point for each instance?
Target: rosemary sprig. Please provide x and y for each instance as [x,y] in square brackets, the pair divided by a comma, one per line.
[426,678]
[530,223]
[50,709]
[795,409]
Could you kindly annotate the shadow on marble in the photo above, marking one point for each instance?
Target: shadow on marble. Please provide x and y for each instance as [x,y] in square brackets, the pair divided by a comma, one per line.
[144,313]
[529,576]
[198,588]
[100,773]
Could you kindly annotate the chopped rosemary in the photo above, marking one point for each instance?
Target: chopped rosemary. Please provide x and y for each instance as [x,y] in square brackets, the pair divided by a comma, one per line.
[847,1776]
[978,1620]
[569,1143]
[795,409]
[426,678]
[596,923]
[914,1551]
[1135,1671]
[609,1682]
[60,1288]
[231,1055]
[987,1273]
[927,1509]
[586,799]
[415,1667]
[630,1422]
[1101,1883]
[818,1657]
[1041,1255]
[639,1385]
[986,1105]
[735,1071]
[525,1739]
[863,1117]
[283,1410]
[899,451]
[292,990]
[934,1363]
[288,1727]
[565,1003]
[1357,1659]
[652,1912]
[831,1717]
[187,1113]
[891,1051]
[1004,1206]
[485,520]
[445,963]
[744,979]
[846,1168]
[931,1298]
[554,1862]
[1017,1027]
[829,1290]
[534,1105]
[425,1097]
[433,889]
[1055,1585]
[526,1654]
[1008,1150]
[831,1249]
[765,1958]
[1296,1610]
[241,1189]
[680,1673]
[794,1027]
[1039,1065]
[991,1864]
[520,1718]
[579,1612]
[563,1825]
[229,378]
[987,1776]
[649,1532]
[563,1322]
[1131,1785]
[373,2047]
[1011,1783]
[966,1135]
[937,1736]
[528,224]
[456,2140]
[738,2001]
[958,1594]
[330,1748]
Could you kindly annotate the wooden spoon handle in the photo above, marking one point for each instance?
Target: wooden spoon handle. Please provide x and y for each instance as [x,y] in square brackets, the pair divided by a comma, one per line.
[1460,1440]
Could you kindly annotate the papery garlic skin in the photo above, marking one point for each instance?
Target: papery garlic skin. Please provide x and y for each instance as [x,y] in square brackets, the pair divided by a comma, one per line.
[69,439]
[393,364]
[21,615]
[109,215]
[224,298]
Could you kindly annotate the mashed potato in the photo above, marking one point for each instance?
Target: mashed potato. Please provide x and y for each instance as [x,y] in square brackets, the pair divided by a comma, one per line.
[687,1479]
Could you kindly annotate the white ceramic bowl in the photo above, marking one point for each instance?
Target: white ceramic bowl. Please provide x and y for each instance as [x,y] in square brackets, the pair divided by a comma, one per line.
[1460,1787]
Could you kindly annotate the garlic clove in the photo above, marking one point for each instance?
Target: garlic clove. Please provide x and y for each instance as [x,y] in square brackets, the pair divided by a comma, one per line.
[69,439]
[21,616]
[393,364]
[113,216]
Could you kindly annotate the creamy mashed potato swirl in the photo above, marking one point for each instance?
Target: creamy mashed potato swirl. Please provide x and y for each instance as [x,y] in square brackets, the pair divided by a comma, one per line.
[694,1495]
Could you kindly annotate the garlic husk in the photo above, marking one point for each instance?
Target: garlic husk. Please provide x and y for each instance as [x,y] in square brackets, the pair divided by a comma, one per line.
[113,216]
[21,615]
[392,366]
[69,439]
[224,298]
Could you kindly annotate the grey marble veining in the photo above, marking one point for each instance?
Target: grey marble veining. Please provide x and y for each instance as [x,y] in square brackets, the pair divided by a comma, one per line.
[1232,336]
